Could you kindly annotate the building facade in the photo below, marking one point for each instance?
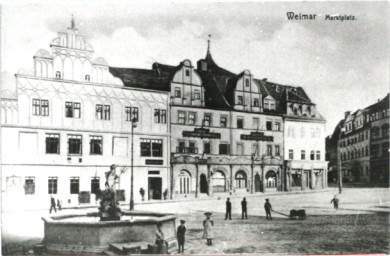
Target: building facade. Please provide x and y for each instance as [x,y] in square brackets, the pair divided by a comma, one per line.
[362,146]
[186,131]
[71,120]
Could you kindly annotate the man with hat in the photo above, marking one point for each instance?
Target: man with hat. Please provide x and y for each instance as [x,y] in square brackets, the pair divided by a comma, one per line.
[181,235]
[268,208]
[228,209]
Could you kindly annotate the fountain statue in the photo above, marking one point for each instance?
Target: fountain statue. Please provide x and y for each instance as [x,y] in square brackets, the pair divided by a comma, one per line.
[109,209]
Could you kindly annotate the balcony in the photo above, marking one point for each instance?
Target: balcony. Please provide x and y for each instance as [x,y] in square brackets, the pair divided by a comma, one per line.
[186,150]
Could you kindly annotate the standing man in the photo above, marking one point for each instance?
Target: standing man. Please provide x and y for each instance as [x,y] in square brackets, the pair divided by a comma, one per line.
[181,235]
[228,209]
[243,209]
[335,202]
[268,208]
[52,204]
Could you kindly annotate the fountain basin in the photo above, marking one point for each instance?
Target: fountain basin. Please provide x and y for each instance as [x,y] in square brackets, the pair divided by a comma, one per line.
[85,234]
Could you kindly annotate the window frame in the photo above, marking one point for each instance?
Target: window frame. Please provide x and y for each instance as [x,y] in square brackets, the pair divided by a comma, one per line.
[75,137]
[74,183]
[95,138]
[47,139]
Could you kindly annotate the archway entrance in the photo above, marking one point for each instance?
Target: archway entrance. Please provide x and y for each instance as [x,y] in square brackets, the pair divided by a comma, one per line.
[240,179]
[184,182]
[219,182]
[271,179]
[203,184]
[257,183]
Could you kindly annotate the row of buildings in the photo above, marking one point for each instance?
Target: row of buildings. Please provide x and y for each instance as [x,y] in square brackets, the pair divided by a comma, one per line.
[195,130]
[359,145]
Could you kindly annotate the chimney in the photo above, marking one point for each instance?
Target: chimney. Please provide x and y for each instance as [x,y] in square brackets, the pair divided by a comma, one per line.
[347,113]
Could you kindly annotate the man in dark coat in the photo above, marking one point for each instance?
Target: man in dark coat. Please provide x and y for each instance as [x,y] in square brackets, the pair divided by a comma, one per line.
[52,204]
[181,235]
[268,208]
[228,209]
[243,209]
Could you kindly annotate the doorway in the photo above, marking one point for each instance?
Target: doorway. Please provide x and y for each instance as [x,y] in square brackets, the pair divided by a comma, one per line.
[203,184]
[257,183]
[155,188]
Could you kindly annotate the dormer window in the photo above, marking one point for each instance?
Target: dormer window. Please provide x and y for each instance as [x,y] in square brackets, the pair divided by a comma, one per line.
[177,92]
[239,100]
[58,74]
[87,78]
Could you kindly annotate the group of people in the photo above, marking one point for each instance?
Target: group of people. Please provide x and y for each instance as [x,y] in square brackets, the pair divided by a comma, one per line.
[244,212]
[53,204]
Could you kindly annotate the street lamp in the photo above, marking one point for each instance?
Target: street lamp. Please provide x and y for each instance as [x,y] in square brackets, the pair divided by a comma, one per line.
[133,125]
[339,160]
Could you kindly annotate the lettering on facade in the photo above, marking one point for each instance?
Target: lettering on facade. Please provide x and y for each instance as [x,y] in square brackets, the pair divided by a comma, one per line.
[202,133]
[257,136]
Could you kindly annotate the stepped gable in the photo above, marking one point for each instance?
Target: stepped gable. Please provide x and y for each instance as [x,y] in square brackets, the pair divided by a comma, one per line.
[141,78]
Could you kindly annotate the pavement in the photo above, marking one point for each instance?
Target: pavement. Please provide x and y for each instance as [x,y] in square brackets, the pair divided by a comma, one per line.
[362,211]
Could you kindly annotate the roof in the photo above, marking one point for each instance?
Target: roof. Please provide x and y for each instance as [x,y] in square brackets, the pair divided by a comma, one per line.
[380,105]
[141,78]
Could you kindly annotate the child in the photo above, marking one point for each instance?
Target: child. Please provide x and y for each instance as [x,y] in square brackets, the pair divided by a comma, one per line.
[181,235]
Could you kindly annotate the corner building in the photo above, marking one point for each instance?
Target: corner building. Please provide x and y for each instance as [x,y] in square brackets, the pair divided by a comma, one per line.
[70,120]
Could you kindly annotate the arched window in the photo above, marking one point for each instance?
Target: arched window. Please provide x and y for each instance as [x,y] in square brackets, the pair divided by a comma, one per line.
[271,179]
[58,74]
[241,179]
[185,182]
[87,78]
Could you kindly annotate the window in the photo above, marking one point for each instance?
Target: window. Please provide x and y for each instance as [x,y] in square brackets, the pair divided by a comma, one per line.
[312,155]
[52,143]
[266,105]
[75,144]
[197,95]
[72,109]
[223,121]
[95,185]
[367,151]
[277,126]
[290,132]
[177,92]
[185,182]
[103,112]
[182,117]
[240,122]
[29,185]
[291,154]
[58,74]
[247,82]
[277,150]
[223,149]
[40,107]
[187,72]
[269,150]
[256,102]
[96,145]
[87,78]
[192,118]
[303,154]
[192,147]
[272,105]
[52,182]
[255,123]
[207,120]
[74,185]
[131,114]
[206,147]
[151,147]
[255,149]
[160,116]
[269,125]
[313,132]
[239,100]
[303,132]
[240,179]
[240,149]
[385,130]
[182,147]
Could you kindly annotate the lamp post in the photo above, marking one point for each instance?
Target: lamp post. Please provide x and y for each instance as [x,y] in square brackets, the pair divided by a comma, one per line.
[133,125]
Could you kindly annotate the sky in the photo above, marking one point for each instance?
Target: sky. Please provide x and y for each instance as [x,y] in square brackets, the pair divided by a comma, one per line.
[342,65]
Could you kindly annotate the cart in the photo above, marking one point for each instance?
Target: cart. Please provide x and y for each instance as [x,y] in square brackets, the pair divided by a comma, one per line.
[294,214]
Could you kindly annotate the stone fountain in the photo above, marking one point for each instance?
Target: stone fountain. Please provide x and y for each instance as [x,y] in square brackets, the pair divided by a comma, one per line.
[108,230]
